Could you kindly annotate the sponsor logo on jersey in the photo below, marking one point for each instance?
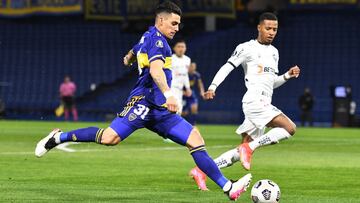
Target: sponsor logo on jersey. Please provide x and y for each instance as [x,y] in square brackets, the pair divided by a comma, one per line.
[132,117]
[159,44]
[237,53]
[275,57]
[265,69]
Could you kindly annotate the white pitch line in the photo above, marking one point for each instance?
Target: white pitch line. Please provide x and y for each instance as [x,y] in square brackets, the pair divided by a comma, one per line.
[109,150]
[64,146]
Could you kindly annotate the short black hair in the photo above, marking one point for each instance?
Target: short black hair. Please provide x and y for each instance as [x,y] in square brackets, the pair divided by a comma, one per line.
[168,7]
[267,16]
[179,41]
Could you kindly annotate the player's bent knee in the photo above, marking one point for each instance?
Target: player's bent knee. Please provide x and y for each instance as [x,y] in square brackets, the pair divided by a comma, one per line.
[110,140]
[110,137]
[292,129]
[195,139]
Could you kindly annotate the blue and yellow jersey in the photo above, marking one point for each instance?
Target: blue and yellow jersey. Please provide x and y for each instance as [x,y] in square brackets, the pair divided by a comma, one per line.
[194,80]
[152,46]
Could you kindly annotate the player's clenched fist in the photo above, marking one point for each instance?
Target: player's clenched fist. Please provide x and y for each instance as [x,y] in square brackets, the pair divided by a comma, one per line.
[210,94]
[294,72]
[126,60]
[129,58]
[171,104]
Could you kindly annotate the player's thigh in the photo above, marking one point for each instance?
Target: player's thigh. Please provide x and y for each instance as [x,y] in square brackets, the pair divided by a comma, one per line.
[249,131]
[119,129]
[283,121]
[169,125]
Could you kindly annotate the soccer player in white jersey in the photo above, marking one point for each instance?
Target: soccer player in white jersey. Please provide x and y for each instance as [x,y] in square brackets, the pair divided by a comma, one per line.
[259,60]
[180,66]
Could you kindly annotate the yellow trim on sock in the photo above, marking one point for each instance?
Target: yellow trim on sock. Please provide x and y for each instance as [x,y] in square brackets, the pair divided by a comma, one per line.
[197,149]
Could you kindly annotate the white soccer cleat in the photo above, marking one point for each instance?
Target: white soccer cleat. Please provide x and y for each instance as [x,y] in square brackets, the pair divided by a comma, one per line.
[47,143]
[239,187]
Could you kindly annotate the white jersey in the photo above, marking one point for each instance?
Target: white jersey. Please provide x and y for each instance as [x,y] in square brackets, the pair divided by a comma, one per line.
[180,77]
[180,68]
[260,64]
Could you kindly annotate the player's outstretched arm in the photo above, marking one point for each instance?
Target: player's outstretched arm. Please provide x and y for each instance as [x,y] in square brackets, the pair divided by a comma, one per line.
[158,75]
[220,76]
[293,72]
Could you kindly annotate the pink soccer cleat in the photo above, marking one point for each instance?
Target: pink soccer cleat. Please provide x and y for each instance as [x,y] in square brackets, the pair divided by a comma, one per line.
[245,155]
[199,177]
[239,187]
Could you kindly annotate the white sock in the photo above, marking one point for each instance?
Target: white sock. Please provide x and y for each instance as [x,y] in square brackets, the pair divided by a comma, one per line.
[271,137]
[57,138]
[227,186]
[228,158]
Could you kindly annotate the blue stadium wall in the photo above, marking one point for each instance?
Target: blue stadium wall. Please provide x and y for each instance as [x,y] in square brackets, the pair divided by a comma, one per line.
[36,55]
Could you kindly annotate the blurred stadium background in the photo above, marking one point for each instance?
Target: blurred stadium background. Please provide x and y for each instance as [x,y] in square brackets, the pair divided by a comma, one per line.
[42,41]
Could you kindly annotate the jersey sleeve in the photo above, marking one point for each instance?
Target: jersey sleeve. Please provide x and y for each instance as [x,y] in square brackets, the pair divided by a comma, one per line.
[136,48]
[238,56]
[157,50]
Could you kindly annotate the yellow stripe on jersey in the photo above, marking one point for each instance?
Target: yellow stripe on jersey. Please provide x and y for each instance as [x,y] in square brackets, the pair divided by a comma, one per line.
[130,104]
[168,62]
[143,61]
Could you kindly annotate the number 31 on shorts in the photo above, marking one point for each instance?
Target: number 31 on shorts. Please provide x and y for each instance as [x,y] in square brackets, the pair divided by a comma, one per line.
[141,111]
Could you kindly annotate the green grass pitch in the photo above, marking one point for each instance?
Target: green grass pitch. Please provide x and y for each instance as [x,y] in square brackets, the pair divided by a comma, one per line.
[316,165]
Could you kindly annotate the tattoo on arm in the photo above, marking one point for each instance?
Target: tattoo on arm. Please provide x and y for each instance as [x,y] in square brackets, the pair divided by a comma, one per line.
[160,81]
[158,75]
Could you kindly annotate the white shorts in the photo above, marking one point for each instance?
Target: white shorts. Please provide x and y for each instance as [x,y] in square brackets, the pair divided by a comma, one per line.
[178,93]
[258,114]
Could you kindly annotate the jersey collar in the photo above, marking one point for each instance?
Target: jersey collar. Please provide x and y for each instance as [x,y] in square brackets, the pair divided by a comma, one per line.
[265,45]
[157,31]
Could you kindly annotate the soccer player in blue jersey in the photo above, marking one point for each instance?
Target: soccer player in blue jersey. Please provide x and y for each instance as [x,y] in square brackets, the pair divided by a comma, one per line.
[152,105]
[191,102]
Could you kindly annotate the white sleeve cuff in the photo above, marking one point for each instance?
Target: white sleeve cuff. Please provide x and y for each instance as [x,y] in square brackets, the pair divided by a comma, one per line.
[168,94]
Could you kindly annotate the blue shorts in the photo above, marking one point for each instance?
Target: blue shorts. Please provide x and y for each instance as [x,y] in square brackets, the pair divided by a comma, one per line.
[141,114]
[189,101]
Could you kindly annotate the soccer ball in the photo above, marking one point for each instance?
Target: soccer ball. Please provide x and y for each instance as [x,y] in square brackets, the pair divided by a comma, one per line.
[265,191]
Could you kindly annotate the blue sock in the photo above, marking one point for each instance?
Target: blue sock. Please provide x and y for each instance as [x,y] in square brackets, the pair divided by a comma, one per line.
[207,165]
[90,134]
